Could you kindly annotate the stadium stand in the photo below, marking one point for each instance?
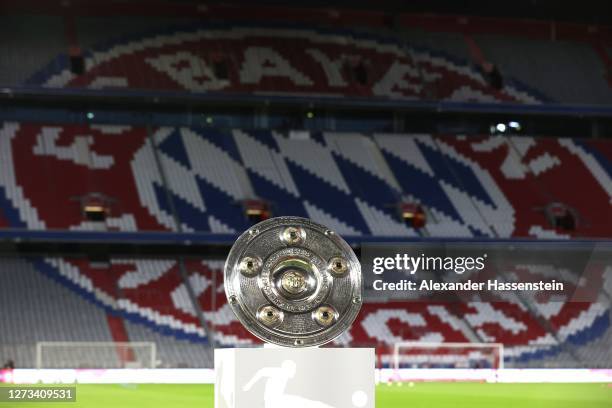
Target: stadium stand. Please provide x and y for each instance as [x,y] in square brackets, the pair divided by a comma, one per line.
[47,311]
[277,61]
[469,186]
[150,298]
[551,65]
[274,59]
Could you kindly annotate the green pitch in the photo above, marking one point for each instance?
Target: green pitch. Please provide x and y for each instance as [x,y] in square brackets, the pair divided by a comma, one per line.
[420,395]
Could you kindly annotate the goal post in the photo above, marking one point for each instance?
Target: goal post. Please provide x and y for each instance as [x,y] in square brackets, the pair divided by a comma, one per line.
[51,354]
[415,354]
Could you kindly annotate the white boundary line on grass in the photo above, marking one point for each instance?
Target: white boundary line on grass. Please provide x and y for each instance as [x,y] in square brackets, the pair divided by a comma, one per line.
[387,375]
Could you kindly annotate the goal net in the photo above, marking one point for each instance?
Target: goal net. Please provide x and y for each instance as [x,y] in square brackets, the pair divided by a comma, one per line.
[95,355]
[448,355]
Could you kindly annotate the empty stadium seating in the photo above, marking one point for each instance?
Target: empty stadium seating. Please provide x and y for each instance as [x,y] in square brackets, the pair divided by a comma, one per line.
[35,308]
[278,61]
[482,186]
[274,59]
[69,298]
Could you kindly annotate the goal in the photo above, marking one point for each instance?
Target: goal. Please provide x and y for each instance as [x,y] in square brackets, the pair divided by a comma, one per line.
[95,355]
[414,354]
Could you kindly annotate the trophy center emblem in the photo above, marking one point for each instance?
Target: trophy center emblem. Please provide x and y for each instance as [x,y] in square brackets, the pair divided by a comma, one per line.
[295,278]
[294,282]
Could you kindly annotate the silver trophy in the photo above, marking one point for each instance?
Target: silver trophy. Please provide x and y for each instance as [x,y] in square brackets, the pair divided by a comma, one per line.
[293,282]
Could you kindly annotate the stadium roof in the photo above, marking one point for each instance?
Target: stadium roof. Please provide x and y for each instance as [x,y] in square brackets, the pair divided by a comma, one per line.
[586,11]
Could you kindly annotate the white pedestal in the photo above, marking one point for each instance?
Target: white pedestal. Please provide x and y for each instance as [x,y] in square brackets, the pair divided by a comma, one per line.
[294,378]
